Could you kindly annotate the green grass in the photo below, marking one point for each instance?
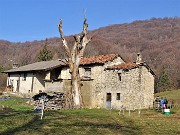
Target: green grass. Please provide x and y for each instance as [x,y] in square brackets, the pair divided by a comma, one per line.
[16,103]
[172,95]
[24,121]
[88,122]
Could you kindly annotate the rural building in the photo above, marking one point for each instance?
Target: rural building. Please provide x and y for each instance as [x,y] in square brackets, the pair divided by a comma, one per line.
[107,81]
[30,78]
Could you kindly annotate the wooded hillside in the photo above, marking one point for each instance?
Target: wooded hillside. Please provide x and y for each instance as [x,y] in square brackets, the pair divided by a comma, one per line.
[157,39]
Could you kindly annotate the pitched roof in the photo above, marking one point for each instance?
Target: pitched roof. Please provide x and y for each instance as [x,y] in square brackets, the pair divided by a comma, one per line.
[123,66]
[101,59]
[43,65]
[129,66]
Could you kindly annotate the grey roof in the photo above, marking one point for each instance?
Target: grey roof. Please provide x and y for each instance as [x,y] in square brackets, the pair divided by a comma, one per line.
[43,65]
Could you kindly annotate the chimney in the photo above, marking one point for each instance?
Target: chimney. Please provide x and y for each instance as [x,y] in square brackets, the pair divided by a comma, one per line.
[15,65]
[139,58]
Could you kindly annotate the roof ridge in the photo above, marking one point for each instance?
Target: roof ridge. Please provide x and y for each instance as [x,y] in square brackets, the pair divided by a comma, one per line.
[123,66]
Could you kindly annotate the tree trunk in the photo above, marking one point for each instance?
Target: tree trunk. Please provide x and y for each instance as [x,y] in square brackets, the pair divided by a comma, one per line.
[75,89]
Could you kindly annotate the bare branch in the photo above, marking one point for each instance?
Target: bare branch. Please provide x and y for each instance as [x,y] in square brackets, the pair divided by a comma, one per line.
[88,40]
[77,38]
[65,45]
[60,29]
[63,39]
[85,43]
[85,13]
[83,39]
[85,26]
[74,49]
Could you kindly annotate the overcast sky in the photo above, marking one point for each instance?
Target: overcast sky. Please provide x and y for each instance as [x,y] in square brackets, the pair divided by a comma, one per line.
[28,20]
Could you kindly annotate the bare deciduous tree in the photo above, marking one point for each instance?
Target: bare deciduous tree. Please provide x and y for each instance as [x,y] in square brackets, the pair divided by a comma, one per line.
[74,56]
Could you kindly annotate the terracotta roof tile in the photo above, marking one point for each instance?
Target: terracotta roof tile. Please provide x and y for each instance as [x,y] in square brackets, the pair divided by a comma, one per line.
[98,59]
[123,66]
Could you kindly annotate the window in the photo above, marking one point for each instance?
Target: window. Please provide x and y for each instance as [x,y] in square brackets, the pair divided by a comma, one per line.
[87,73]
[108,97]
[120,77]
[24,76]
[118,96]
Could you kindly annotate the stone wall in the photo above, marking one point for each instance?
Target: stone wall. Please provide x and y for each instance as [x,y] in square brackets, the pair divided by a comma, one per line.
[116,61]
[97,86]
[136,88]
[148,88]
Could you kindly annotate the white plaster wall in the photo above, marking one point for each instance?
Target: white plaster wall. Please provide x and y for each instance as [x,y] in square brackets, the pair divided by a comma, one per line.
[48,75]
[65,73]
[25,85]
[13,78]
[39,83]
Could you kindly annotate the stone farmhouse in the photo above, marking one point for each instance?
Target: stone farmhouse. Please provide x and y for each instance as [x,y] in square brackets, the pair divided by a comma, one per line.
[107,81]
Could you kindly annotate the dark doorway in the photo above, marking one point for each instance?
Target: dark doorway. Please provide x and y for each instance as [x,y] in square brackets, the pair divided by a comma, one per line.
[17,88]
[108,100]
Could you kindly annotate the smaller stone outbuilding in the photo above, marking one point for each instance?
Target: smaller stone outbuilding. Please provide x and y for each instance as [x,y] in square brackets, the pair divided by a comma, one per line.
[131,85]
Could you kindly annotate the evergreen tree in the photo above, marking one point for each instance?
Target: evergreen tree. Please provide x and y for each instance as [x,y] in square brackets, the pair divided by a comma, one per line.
[45,54]
[163,81]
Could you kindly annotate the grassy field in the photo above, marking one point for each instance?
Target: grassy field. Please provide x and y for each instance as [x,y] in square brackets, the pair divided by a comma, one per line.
[171,95]
[22,120]
[16,103]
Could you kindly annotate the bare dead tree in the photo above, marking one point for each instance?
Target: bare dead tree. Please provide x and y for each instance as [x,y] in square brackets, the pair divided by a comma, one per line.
[74,56]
